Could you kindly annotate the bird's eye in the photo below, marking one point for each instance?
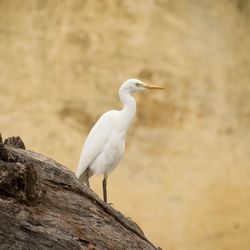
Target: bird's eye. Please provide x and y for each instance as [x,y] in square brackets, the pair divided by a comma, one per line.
[137,84]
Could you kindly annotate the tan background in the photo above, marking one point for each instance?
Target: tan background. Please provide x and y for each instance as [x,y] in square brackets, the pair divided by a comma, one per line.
[185,177]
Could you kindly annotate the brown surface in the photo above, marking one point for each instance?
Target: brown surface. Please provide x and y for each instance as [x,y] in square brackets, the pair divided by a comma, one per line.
[188,153]
[43,206]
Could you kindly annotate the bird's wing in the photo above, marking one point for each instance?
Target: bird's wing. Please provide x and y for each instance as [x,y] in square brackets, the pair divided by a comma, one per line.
[94,142]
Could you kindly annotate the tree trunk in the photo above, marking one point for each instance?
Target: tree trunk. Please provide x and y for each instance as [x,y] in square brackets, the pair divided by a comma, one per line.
[43,206]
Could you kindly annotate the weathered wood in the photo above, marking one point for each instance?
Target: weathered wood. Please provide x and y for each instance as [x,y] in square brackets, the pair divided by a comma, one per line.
[42,206]
[14,141]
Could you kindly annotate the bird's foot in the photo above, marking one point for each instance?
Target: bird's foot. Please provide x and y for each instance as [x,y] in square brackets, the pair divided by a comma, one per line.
[89,188]
[110,204]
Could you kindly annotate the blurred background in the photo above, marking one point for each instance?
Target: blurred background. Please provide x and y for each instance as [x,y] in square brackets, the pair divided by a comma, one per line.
[185,176]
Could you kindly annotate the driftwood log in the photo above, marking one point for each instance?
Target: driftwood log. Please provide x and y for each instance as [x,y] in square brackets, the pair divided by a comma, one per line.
[43,206]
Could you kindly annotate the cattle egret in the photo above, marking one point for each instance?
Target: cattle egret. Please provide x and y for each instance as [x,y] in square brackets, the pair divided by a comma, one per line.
[105,143]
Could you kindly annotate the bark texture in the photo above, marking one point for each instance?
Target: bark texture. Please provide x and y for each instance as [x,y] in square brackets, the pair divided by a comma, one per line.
[43,206]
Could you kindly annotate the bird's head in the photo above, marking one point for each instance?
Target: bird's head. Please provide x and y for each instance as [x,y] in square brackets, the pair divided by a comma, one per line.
[135,85]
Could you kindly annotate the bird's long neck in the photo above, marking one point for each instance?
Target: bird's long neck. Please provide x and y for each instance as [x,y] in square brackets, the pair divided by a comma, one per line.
[129,107]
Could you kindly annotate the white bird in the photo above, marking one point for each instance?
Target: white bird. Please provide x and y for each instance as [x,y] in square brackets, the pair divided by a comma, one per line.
[105,143]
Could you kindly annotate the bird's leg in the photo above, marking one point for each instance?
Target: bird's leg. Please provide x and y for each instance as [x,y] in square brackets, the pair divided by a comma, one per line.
[87,182]
[86,178]
[104,188]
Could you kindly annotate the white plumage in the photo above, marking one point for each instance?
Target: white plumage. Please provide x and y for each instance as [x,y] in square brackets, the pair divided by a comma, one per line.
[105,144]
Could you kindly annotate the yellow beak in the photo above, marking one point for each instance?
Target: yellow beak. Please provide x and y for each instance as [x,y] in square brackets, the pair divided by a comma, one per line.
[149,86]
